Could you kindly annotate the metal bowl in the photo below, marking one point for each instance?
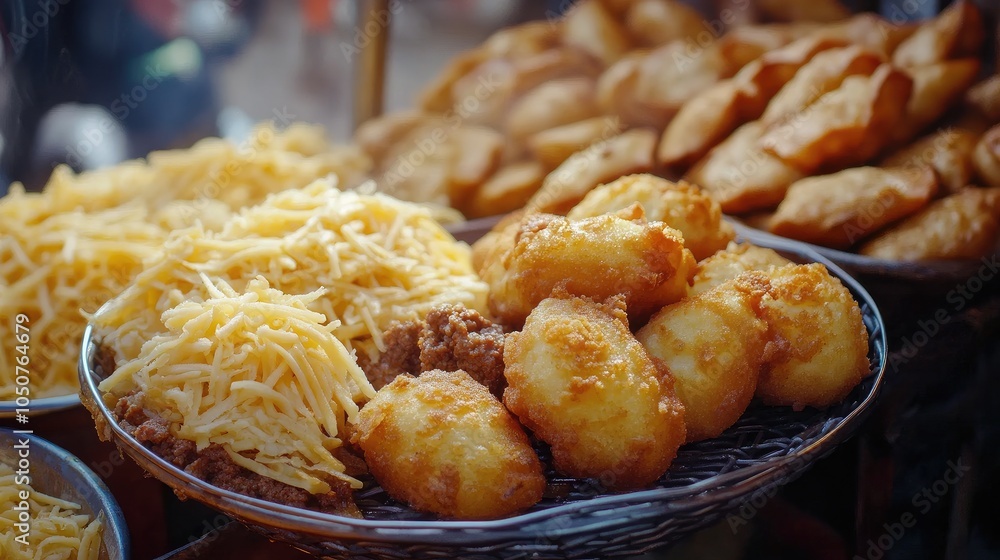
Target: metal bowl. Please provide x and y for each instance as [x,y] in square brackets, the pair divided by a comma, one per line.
[56,472]
[769,446]
[41,406]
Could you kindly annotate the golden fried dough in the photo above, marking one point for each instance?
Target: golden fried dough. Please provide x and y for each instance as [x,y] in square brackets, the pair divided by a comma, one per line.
[655,22]
[986,157]
[442,443]
[964,225]
[824,73]
[743,44]
[983,100]
[936,87]
[734,261]
[583,384]
[948,151]
[379,135]
[552,104]
[713,345]
[679,205]
[818,339]
[870,31]
[839,210]
[741,175]
[844,127]
[507,190]
[956,32]
[603,161]
[588,26]
[487,250]
[595,257]
[553,146]
[616,93]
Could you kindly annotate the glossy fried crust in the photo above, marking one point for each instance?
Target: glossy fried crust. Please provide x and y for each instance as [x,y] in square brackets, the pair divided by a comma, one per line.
[679,205]
[713,345]
[735,260]
[595,257]
[442,443]
[819,341]
[963,225]
[580,380]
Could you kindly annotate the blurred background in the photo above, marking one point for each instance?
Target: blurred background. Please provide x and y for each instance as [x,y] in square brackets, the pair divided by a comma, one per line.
[94,82]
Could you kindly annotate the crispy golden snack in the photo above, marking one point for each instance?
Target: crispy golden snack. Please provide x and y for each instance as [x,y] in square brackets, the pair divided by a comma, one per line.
[713,345]
[679,205]
[936,88]
[870,31]
[656,22]
[818,339]
[615,92]
[591,28]
[477,156]
[553,146]
[983,100]
[734,261]
[948,151]
[603,161]
[700,124]
[442,443]
[707,119]
[986,157]
[484,94]
[583,384]
[378,136]
[595,257]
[847,126]
[841,209]
[513,43]
[813,10]
[824,73]
[552,104]
[741,45]
[964,225]
[741,175]
[955,33]
[507,190]
[499,239]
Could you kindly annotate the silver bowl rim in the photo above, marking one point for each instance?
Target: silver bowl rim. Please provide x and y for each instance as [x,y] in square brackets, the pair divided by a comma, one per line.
[61,460]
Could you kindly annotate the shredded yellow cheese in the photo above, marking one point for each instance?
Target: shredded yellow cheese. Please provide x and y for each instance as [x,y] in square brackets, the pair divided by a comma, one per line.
[82,239]
[58,531]
[257,373]
[218,335]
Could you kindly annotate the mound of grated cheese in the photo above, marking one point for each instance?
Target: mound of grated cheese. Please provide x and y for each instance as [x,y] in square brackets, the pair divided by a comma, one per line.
[257,373]
[381,260]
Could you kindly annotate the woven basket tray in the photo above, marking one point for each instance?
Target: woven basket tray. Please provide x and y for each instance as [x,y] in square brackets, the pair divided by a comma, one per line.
[768,447]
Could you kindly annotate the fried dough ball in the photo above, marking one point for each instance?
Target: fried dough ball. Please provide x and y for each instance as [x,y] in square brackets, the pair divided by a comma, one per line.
[713,345]
[819,339]
[679,205]
[580,380]
[735,260]
[442,443]
[596,257]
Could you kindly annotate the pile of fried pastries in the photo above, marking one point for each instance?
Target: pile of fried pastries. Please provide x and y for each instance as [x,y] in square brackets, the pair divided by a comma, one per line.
[852,132]
[616,334]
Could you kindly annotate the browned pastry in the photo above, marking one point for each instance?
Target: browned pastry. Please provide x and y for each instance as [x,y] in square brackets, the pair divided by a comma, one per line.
[583,384]
[442,443]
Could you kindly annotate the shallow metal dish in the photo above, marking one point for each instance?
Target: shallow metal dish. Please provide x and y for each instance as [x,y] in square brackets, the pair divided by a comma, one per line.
[768,447]
[41,406]
[54,471]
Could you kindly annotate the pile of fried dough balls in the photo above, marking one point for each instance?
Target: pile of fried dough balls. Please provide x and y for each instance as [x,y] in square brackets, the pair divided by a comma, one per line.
[623,330]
